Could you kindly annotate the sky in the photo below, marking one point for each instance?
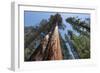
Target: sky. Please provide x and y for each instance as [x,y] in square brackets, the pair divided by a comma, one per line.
[32,18]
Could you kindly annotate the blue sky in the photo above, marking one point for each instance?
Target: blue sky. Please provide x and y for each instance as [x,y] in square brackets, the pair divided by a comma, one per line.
[32,18]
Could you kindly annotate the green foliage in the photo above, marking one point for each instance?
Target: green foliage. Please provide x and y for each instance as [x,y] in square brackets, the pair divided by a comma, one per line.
[70,33]
[81,26]
[82,45]
[27,53]
[81,42]
[56,19]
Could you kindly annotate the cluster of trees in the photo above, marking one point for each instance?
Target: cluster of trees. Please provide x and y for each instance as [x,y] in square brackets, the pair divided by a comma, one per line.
[81,42]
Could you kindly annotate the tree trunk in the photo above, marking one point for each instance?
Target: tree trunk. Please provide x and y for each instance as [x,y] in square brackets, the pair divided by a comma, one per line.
[53,49]
[49,48]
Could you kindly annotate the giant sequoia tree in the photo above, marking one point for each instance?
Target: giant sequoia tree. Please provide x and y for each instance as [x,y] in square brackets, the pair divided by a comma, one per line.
[34,35]
[53,48]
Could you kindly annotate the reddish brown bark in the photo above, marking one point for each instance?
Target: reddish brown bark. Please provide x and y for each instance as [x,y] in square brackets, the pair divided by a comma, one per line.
[52,50]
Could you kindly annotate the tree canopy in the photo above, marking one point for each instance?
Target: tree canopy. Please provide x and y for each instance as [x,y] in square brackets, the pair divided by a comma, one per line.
[81,26]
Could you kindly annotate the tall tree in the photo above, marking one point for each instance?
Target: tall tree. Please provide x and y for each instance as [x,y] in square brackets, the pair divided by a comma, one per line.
[53,48]
[54,20]
[81,42]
